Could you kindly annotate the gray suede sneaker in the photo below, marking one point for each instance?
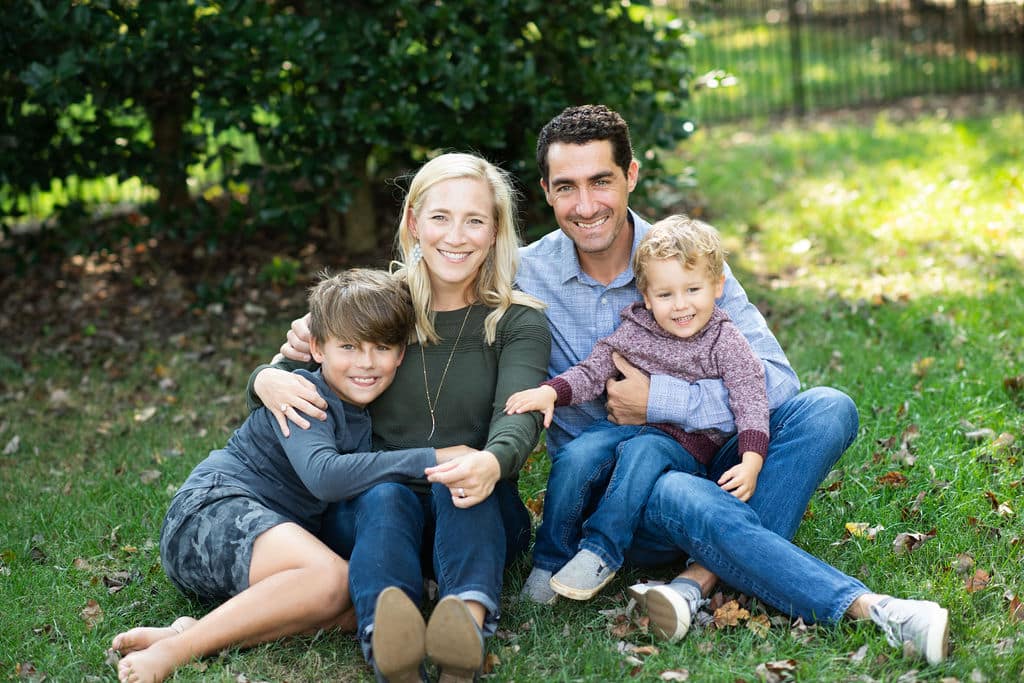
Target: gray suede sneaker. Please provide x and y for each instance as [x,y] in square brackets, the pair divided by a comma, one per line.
[670,606]
[921,625]
[537,587]
[582,577]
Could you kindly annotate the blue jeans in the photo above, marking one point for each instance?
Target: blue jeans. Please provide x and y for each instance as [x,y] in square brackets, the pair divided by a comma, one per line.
[747,545]
[597,489]
[393,536]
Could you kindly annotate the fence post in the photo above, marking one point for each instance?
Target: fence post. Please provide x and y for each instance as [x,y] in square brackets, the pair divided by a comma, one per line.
[799,97]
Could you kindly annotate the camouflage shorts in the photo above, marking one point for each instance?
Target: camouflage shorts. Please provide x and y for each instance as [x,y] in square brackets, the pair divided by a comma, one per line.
[207,539]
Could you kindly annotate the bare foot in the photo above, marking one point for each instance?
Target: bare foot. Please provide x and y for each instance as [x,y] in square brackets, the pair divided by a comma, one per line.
[151,665]
[142,637]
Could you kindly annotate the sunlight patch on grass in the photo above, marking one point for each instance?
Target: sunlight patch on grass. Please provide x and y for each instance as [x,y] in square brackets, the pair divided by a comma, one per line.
[900,208]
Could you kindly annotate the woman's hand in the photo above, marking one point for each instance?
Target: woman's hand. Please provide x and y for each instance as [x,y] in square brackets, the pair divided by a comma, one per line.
[297,346]
[470,477]
[287,396]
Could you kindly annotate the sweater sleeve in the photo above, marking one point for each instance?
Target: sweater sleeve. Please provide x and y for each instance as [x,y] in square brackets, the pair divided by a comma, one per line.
[524,341]
[744,377]
[586,380]
[332,476]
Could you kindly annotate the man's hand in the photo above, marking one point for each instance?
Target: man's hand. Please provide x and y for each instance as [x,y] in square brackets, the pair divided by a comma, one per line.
[741,480]
[297,346]
[627,397]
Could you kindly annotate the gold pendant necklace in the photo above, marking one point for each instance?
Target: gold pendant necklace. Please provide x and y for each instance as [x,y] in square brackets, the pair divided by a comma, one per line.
[426,385]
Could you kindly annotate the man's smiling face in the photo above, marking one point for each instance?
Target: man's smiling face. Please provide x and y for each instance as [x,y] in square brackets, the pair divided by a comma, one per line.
[589,194]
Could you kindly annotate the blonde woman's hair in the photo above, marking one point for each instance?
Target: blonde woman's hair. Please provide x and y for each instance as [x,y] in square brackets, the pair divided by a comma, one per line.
[683,238]
[493,286]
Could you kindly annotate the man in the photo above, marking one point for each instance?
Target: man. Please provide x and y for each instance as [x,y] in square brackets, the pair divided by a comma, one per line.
[583,272]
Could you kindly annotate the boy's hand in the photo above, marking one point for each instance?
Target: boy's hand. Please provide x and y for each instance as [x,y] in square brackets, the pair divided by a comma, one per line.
[741,480]
[542,399]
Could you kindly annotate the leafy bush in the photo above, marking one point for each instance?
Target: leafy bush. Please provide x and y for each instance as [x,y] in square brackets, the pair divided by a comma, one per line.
[338,98]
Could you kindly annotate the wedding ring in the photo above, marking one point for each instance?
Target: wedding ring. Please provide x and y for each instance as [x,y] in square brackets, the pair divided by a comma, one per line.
[462,492]
[285,407]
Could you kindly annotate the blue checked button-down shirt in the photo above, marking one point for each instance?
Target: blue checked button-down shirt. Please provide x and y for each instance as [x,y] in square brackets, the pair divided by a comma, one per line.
[581,310]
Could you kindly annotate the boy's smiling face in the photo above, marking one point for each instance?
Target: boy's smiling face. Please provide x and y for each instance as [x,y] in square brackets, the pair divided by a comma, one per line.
[681,299]
[358,371]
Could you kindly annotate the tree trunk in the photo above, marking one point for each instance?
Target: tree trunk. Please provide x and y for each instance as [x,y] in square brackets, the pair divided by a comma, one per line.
[167,115]
[361,217]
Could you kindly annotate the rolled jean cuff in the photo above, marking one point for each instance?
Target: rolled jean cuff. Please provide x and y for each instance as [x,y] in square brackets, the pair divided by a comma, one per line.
[844,602]
[491,617]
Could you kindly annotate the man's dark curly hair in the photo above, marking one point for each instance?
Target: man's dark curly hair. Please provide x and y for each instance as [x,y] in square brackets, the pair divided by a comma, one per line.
[583,124]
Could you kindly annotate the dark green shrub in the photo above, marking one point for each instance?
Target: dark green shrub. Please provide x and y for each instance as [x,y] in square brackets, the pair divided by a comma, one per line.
[338,98]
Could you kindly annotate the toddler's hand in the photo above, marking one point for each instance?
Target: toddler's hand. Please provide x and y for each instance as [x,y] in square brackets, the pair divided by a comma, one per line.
[542,399]
[741,480]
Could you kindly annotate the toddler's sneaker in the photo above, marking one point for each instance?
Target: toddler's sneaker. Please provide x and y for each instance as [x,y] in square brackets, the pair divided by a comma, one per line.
[582,577]
[922,624]
[537,587]
[670,606]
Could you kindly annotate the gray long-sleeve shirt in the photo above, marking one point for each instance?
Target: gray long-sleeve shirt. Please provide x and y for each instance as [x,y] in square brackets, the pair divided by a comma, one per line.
[300,474]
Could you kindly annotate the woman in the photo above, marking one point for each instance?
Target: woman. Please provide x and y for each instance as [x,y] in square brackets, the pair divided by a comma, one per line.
[477,342]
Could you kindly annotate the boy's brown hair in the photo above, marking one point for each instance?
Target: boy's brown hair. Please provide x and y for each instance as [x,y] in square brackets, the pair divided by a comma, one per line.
[360,304]
[680,237]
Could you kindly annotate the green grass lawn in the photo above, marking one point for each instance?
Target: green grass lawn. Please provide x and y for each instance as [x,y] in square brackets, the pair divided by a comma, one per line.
[886,251]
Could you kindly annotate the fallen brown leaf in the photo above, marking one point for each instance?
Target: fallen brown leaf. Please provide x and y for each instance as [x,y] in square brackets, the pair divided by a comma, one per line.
[1016,608]
[777,671]
[977,581]
[536,505]
[760,625]
[730,614]
[964,563]
[894,479]
[921,366]
[92,614]
[149,476]
[490,662]
[909,542]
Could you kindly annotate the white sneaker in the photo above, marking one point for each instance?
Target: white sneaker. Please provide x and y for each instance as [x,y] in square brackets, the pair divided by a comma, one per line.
[921,624]
[669,610]
[537,587]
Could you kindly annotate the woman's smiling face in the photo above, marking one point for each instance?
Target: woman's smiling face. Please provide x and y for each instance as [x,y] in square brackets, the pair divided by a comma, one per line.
[456,229]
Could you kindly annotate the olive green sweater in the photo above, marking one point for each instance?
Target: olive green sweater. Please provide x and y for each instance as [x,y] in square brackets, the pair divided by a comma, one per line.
[470,409]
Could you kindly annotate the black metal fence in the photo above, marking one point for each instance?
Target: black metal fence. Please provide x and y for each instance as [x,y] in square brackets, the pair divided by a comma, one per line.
[763,57]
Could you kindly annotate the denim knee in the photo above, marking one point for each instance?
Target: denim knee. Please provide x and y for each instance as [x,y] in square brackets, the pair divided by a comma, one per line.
[827,412]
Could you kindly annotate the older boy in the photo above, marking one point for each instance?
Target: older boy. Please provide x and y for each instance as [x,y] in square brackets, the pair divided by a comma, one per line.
[241,530]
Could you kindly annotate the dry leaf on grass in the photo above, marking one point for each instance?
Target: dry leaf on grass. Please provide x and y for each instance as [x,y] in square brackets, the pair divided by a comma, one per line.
[91,614]
[977,581]
[145,414]
[908,542]
[760,625]
[894,479]
[730,614]
[777,671]
[675,675]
